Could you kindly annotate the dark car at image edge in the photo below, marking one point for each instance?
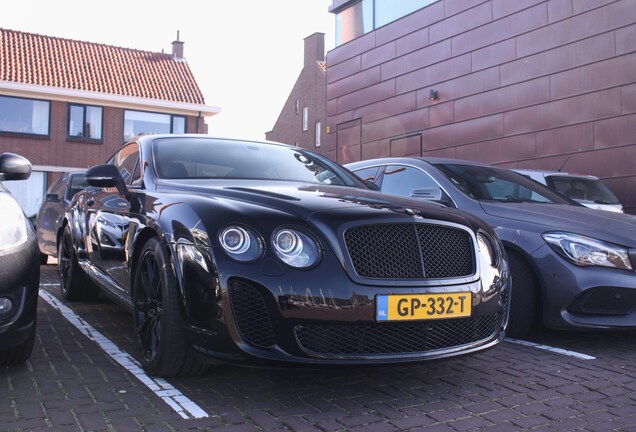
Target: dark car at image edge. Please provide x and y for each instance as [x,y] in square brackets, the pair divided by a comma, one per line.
[572,267]
[19,268]
[243,251]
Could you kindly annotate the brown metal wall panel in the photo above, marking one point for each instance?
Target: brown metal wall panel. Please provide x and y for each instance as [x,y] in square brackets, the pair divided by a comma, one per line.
[461,23]
[585,5]
[351,49]
[412,42]
[343,70]
[406,146]
[365,96]
[493,55]
[628,99]
[559,9]
[441,114]
[379,55]
[371,150]
[475,83]
[416,60]
[578,27]
[355,82]
[597,76]
[589,107]
[482,129]
[500,30]
[566,57]
[626,40]
[426,77]
[503,99]
[389,107]
[502,8]
[396,126]
[565,140]
[456,6]
[615,132]
[500,150]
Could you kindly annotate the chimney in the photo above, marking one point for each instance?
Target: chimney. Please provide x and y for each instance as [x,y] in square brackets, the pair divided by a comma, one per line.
[314,49]
[177,48]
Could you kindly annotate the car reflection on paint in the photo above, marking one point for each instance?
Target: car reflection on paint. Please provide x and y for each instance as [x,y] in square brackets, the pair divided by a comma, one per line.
[49,218]
[244,251]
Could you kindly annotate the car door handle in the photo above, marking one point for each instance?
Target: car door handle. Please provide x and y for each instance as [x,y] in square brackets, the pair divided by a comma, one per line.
[90,202]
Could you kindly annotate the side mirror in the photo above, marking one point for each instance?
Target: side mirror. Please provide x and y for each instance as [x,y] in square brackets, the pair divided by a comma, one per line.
[106,176]
[51,197]
[14,167]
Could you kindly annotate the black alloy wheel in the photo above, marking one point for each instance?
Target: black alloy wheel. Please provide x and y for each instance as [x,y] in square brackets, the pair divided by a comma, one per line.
[164,348]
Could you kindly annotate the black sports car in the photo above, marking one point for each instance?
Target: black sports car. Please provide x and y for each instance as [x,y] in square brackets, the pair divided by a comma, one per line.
[242,251]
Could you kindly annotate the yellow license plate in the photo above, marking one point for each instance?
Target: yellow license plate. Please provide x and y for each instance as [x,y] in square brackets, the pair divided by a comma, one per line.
[397,307]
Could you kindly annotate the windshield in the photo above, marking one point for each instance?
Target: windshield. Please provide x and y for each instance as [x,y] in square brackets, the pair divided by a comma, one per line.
[208,158]
[486,183]
[583,189]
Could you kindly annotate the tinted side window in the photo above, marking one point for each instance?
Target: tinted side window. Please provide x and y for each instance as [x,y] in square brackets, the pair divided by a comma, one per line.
[126,161]
[402,180]
[368,174]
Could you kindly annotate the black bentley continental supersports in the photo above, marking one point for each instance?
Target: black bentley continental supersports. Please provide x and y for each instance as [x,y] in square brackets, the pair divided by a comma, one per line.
[241,251]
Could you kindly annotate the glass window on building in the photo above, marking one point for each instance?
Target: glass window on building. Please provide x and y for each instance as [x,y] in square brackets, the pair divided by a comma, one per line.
[387,11]
[363,16]
[143,123]
[27,116]
[305,119]
[317,134]
[85,121]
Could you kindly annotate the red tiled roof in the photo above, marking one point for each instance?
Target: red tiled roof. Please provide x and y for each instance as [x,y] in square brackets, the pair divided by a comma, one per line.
[29,58]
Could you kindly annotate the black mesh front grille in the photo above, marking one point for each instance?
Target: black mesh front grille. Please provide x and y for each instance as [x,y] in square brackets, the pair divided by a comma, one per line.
[395,338]
[410,251]
[250,315]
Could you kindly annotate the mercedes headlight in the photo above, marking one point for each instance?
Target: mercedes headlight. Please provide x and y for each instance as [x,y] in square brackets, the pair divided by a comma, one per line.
[241,243]
[587,251]
[13,228]
[295,248]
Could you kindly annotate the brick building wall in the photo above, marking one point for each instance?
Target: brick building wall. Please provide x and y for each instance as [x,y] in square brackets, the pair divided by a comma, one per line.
[527,83]
[309,91]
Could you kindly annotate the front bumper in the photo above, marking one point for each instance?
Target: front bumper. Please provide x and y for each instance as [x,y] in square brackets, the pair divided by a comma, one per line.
[20,269]
[322,317]
[585,297]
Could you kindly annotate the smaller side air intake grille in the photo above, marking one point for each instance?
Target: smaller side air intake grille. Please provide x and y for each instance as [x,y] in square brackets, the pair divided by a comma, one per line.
[250,315]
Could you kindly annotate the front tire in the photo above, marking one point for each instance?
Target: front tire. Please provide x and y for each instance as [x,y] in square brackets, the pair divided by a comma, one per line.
[522,297]
[19,353]
[165,351]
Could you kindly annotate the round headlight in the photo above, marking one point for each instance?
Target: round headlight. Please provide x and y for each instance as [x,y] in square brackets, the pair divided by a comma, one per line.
[295,248]
[241,243]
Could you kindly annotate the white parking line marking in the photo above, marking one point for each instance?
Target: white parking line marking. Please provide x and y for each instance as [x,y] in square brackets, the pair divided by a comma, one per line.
[173,397]
[552,349]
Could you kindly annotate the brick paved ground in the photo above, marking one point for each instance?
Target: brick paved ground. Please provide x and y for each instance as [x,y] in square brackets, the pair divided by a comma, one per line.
[70,384]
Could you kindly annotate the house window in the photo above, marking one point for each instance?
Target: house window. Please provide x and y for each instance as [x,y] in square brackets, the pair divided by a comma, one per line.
[305,119]
[143,123]
[85,121]
[297,106]
[317,134]
[27,116]
[387,11]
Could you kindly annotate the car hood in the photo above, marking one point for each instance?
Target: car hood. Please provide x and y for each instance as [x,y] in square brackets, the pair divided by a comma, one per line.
[614,227]
[311,201]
